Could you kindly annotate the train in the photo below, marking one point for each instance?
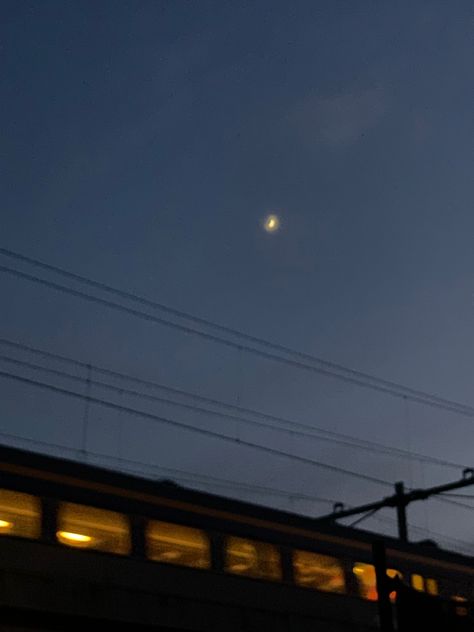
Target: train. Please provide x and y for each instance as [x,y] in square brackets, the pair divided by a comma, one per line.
[84,545]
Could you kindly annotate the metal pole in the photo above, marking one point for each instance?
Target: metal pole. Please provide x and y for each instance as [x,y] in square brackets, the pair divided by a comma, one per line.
[400,500]
[401,511]
[383,587]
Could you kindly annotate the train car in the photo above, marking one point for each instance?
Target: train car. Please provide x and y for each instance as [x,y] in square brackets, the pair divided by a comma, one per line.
[82,545]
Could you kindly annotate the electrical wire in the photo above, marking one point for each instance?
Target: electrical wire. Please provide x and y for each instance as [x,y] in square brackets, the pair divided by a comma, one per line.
[330,369]
[140,468]
[305,361]
[354,443]
[201,431]
[447,501]
[371,445]
[425,531]
[364,517]
[222,328]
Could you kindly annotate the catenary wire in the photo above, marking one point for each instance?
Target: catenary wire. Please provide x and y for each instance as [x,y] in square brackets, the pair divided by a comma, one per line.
[372,445]
[325,368]
[355,444]
[222,328]
[201,431]
[367,515]
[142,468]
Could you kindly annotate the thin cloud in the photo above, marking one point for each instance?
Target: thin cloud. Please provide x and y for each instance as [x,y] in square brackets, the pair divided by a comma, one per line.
[342,119]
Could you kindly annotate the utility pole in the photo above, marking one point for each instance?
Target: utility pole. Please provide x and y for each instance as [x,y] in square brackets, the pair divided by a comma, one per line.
[383,587]
[400,500]
[401,511]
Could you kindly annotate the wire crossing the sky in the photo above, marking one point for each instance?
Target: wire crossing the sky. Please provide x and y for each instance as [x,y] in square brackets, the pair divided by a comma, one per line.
[294,428]
[145,469]
[245,342]
[202,431]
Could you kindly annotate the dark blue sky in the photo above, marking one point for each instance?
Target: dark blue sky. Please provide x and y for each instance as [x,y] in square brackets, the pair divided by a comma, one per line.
[143,143]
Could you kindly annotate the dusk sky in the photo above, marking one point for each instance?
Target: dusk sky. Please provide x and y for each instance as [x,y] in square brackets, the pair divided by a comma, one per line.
[143,144]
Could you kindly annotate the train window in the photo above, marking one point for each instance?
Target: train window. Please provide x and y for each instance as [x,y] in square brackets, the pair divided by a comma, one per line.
[417,582]
[431,586]
[20,514]
[367,581]
[460,609]
[392,573]
[90,528]
[254,559]
[175,544]
[365,574]
[318,571]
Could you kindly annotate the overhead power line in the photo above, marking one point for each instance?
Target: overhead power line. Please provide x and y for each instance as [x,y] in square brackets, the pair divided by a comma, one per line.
[144,469]
[309,432]
[456,503]
[242,341]
[122,390]
[369,514]
[455,542]
[163,400]
[402,498]
[202,431]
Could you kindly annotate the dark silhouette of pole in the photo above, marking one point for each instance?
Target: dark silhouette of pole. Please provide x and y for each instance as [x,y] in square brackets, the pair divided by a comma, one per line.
[383,587]
[401,511]
[400,500]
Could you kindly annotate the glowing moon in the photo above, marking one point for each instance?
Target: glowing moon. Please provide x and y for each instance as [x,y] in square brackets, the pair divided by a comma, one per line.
[271,223]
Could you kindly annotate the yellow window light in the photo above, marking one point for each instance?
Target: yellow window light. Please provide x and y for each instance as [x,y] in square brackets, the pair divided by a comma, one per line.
[460,610]
[366,579]
[170,555]
[431,586]
[317,571]
[68,537]
[251,558]
[20,514]
[392,573]
[177,544]
[239,568]
[87,527]
[417,582]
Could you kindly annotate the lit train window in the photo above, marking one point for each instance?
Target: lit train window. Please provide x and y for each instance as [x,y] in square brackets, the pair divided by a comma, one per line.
[460,610]
[318,571]
[253,559]
[20,514]
[365,574]
[392,573]
[90,528]
[367,581]
[175,544]
[417,582]
[431,586]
